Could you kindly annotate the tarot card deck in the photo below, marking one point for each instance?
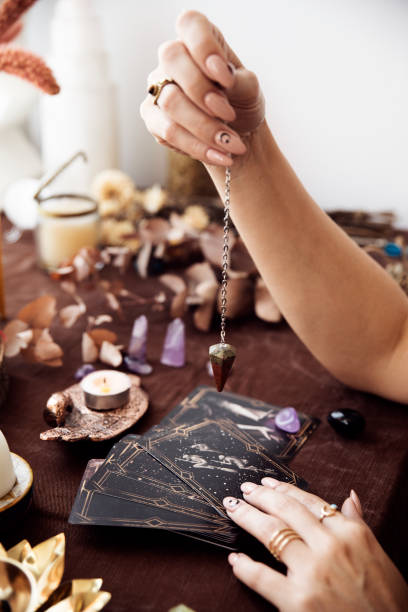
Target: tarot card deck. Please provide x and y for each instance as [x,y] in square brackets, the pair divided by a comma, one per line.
[176,476]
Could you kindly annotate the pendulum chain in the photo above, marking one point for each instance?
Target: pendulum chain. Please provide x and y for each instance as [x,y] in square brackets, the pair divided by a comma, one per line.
[225,252]
[222,355]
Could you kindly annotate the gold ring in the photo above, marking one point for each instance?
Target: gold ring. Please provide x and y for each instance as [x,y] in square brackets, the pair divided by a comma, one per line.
[156,89]
[280,540]
[326,511]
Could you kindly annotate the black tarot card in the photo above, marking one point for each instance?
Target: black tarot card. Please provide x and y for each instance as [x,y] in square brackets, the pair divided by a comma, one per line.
[254,417]
[93,507]
[214,458]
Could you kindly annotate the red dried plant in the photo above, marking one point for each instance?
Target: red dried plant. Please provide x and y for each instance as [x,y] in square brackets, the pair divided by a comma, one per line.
[16,61]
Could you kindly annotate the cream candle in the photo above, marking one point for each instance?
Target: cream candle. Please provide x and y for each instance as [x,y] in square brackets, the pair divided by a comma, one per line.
[65,225]
[7,474]
[106,389]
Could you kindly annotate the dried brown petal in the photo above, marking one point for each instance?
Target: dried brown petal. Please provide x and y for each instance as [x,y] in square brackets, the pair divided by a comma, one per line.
[240,297]
[110,354]
[173,282]
[143,258]
[199,273]
[212,242]
[69,315]
[154,230]
[68,287]
[101,335]
[89,349]
[112,301]
[241,259]
[207,291]
[265,306]
[39,313]
[46,349]
[178,305]
[14,341]
[99,320]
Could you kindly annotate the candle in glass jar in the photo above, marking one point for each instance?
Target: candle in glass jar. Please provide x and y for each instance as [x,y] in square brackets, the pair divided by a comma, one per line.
[7,474]
[106,389]
[65,225]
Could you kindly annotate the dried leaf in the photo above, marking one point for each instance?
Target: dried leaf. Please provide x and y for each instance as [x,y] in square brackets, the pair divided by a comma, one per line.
[240,297]
[241,259]
[207,291]
[99,320]
[14,341]
[110,354]
[178,305]
[39,313]
[46,350]
[69,315]
[199,273]
[143,258]
[265,306]
[112,301]
[154,230]
[89,349]
[212,244]
[160,298]
[173,282]
[101,335]
[85,262]
[68,287]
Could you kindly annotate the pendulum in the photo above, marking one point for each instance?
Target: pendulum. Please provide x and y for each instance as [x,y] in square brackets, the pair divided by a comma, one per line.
[222,355]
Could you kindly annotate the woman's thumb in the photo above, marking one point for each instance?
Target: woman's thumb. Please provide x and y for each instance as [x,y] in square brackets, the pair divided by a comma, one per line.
[352,507]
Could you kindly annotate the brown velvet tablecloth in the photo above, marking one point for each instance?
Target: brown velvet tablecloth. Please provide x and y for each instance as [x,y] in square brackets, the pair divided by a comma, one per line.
[152,571]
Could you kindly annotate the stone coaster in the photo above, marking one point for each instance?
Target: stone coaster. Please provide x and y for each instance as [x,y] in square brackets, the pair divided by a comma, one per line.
[82,423]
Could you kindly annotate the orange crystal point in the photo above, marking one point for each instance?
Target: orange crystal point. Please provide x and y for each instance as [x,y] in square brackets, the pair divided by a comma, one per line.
[222,356]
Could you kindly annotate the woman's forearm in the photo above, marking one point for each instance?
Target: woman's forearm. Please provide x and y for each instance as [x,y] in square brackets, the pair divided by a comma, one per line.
[344,307]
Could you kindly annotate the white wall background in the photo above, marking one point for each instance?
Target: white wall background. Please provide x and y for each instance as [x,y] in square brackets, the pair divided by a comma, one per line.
[334,72]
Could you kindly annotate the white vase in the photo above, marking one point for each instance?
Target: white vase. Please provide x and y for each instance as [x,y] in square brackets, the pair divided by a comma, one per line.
[83,115]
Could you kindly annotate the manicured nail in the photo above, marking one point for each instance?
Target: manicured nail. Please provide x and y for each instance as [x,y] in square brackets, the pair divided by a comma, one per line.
[356,501]
[231,502]
[215,157]
[247,487]
[272,483]
[219,105]
[231,142]
[219,70]
[233,558]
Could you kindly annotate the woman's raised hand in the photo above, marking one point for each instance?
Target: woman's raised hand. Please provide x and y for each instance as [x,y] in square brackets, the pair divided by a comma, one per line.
[214,100]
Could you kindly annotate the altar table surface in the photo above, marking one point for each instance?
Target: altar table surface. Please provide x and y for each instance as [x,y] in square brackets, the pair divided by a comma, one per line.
[152,570]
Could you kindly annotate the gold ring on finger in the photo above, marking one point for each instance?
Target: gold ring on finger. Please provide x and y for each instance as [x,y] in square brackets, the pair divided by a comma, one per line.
[280,539]
[156,89]
[326,511]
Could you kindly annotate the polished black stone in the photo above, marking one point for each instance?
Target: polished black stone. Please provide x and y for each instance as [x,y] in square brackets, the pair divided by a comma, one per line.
[347,422]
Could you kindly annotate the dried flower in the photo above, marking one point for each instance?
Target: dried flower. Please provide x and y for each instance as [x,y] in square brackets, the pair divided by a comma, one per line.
[154,199]
[116,233]
[28,66]
[114,185]
[196,217]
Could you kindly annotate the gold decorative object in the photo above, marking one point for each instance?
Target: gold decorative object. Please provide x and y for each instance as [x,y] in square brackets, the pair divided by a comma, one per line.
[30,580]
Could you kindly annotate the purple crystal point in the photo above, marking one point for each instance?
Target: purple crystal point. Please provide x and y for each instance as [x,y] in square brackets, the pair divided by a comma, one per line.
[287,420]
[138,340]
[85,369]
[174,350]
[133,365]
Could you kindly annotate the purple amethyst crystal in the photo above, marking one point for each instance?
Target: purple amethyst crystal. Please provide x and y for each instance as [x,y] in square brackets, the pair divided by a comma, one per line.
[138,340]
[174,350]
[82,371]
[287,420]
[137,367]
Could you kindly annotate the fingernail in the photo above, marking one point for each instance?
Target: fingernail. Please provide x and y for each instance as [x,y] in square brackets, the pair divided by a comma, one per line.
[233,558]
[220,106]
[230,141]
[219,70]
[231,502]
[215,157]
[272,483]
[247,487]
[356,501]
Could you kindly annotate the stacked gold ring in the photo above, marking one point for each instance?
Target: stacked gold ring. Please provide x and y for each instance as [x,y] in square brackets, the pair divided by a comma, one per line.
[280,539]
[156,89]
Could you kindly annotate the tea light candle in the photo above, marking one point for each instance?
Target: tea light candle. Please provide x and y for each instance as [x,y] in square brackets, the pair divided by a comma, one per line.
[106,389]
[65,225]
[7,474]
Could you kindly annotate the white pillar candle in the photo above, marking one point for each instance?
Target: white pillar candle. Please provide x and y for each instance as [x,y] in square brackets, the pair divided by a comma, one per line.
[65,225]
[106,389]
[7,475]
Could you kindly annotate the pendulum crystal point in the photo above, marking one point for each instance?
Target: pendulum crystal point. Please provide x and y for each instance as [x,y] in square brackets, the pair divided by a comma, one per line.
[174,348]
[222,356]
[138,340]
